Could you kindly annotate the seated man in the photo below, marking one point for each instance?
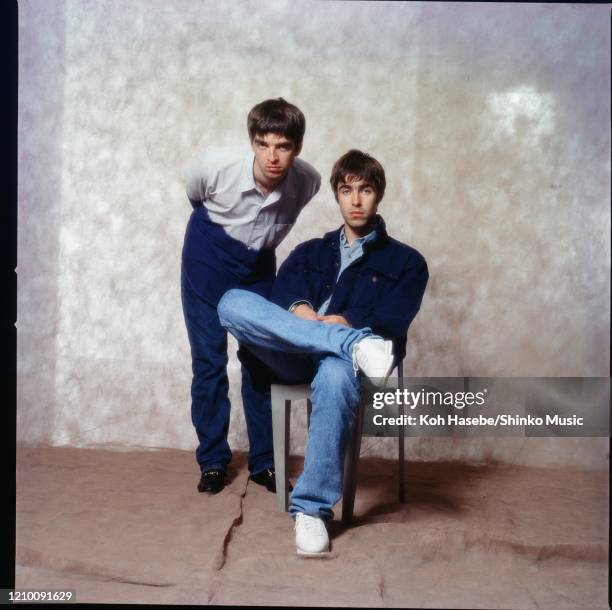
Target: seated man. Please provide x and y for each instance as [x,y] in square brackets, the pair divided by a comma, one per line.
[340,304]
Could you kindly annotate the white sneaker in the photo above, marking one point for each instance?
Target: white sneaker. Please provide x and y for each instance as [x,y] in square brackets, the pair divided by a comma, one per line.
[311,536]
[374,356]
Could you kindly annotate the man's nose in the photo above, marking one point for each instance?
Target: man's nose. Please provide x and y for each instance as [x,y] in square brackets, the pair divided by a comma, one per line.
[355,198]
[273,155]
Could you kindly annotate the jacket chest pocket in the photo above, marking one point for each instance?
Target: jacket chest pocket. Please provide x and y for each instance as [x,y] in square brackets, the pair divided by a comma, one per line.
[369,285]
[374,281]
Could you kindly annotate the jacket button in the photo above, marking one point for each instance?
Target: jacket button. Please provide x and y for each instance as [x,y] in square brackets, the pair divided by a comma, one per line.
[327,285]
[374,278]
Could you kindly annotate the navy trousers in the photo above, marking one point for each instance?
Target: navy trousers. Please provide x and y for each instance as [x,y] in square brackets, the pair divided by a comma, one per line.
[210,406]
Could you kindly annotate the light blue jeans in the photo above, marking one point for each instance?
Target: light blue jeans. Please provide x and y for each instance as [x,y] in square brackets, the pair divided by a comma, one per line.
[300,351]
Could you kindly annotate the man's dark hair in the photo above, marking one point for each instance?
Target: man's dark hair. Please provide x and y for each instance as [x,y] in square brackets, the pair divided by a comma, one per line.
[277,116]
[358,165]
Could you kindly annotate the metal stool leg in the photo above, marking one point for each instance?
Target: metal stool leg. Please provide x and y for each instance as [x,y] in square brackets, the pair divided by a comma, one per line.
[351,460]
[281,419]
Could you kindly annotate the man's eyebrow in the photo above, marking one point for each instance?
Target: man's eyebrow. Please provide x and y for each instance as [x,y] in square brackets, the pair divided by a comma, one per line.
[287,143]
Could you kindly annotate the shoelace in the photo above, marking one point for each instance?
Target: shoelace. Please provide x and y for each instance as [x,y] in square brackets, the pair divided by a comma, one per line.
[355,365]
[354,354]
[312,524]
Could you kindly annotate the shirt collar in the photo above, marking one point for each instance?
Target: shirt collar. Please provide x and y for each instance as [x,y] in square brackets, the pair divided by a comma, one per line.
[332,238]
[286,187]
[371,236]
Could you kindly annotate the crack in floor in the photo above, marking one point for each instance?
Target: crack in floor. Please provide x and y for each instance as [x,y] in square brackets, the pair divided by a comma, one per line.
[139,582]
[381,587]
[381,580]
[236,522]
[221,558]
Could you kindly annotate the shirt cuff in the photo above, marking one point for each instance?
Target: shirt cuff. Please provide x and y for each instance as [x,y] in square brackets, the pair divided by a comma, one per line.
[302,302]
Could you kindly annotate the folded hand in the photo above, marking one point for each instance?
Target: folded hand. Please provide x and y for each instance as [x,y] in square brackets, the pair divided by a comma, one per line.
[333,319]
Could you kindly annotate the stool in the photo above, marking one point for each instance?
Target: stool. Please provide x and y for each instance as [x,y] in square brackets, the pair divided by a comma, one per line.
[282,395]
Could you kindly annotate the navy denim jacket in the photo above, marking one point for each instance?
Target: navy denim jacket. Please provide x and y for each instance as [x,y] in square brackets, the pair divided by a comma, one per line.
[382,290]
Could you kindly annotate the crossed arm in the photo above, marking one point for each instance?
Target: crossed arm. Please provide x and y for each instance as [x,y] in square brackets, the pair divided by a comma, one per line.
[290,287]
[306,312]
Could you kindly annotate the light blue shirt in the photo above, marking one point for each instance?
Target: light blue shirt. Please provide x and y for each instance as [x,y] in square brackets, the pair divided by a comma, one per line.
[348,255]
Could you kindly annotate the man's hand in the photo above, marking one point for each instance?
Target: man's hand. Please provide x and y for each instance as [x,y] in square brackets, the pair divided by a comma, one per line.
[333,319]
[305,312]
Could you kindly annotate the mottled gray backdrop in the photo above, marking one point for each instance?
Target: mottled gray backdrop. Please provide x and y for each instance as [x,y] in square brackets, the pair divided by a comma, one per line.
[492,122]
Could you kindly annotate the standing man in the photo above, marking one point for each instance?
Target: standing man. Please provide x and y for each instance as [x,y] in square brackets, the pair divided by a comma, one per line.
[244,206]
[340,304]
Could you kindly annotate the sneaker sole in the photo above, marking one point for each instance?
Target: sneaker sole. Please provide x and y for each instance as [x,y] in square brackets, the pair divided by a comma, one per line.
[319,554]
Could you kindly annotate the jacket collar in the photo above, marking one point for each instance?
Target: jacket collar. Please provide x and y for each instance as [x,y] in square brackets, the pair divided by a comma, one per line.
[376,255]
[333,237]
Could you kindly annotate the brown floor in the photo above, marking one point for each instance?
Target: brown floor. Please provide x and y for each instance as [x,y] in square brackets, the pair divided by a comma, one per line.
[130,527]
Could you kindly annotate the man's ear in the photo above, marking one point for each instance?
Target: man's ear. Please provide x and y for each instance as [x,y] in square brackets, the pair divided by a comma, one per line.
[298,150]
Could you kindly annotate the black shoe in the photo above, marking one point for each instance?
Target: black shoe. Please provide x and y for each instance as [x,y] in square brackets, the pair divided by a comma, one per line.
[267,478]
[212,481]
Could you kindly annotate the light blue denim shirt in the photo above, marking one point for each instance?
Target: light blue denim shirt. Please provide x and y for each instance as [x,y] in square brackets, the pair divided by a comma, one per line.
[348,255]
